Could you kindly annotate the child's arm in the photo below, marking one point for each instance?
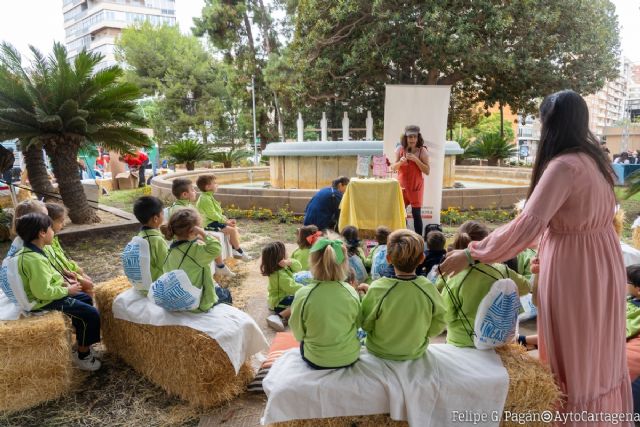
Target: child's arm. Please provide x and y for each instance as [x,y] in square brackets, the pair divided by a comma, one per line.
[295,320]
[523,284]
[205,254]
[368,261]
[159,251]
[295,265]
[44,284]
[286,282]
[368,307]
[438,314]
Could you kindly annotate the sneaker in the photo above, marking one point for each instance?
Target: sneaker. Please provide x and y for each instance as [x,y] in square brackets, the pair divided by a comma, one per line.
[225,271]
[275,322]
[241,255]
[89,363]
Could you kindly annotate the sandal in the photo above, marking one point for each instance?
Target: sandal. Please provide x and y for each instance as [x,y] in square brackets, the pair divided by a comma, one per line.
[522,340]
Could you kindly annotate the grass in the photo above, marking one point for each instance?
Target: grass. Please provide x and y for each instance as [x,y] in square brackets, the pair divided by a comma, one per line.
[631,208]
[123,199]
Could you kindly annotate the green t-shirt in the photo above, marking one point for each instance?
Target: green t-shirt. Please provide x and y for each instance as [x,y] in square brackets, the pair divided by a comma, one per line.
[282,285]
[400,316]
[210,209]
[633,317]
[325,316]
[42,283]
[302,256]
[194,258]
[469,287]
[58,258]
[177,205]
[158,249]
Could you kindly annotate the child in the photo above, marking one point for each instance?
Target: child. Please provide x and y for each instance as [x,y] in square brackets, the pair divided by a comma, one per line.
[307,235]
[23,208]
[461,301]
[377,258]
[434,254]
[212,216]
[282,285]
[633,301]
[325,315]
[355,252]
[149,212]
[46,287]
[56,255]
[192,251]
[401,314]
[182,189]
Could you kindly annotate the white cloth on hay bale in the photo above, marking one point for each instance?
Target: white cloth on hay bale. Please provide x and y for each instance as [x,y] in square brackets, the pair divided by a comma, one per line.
[225,243]
[235,331]
[425,392]
[8,310]
[630,254]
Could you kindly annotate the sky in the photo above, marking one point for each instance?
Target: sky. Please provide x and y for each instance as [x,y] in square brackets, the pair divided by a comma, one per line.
[39,22]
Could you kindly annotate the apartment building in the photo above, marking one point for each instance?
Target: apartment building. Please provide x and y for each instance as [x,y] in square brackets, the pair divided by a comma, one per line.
[607,106]
[95,24]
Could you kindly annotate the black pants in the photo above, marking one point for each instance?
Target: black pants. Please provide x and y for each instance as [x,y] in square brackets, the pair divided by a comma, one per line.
[142,182]
[84,317]
[314,366]
[417,219]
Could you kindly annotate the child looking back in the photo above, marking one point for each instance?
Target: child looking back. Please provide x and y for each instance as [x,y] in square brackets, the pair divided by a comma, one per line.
[355,252]
[148,210]
[400,314]
[377,258]
[307,235]
[192,251]
[23,208]
[435,252]
[325,315]
[46,287]
[282,285]
[212,216]
[461,301]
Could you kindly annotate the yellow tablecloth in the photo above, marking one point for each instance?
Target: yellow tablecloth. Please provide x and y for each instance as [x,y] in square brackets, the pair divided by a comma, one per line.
[369,203]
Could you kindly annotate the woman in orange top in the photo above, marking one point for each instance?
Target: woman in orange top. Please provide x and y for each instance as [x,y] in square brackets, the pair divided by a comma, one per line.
[412,160]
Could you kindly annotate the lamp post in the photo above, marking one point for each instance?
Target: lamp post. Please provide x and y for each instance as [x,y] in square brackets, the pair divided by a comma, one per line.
[255,138]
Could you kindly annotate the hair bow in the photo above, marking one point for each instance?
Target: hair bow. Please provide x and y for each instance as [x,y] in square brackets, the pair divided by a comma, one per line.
[335,244]
[312,238]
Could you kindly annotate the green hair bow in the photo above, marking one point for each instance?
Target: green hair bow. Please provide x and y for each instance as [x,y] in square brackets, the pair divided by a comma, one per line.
[335,244]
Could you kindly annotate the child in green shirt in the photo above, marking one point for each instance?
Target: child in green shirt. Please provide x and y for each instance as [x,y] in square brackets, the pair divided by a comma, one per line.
[355,252]
[213,218]
[192,251]
[325,315]
[282,285]
[149,211]
[463,292]
[21,209]
[46,287]
[307,235]
[59,260]
[182,189]
[633,301]
[400,314]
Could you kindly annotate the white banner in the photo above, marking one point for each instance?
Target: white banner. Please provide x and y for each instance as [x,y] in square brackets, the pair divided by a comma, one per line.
[427,107]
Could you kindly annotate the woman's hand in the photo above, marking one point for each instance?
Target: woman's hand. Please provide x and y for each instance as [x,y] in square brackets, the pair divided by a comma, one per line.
[412,157]
[454,263]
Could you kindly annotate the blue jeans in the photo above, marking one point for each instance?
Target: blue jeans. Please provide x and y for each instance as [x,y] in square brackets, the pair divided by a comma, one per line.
[84,317]
[284,304]
[224,295]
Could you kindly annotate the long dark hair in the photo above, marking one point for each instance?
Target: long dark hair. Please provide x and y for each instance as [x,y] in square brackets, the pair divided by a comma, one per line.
[565,129]
[404,143]
[272,254]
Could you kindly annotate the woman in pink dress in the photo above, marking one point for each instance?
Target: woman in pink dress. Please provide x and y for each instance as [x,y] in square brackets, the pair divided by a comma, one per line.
[582,281]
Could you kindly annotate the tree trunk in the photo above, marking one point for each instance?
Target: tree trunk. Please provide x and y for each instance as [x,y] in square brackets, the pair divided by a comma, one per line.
[226,164]
[190,165]
[501,121]
[492,161]
[37,172]
[65,168]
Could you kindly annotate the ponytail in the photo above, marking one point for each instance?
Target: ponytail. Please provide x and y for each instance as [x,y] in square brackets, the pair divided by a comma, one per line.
[324,265]
[469,232]
[166,231]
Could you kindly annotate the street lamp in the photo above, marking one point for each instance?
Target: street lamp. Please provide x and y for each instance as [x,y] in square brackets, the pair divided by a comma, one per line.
[255,138]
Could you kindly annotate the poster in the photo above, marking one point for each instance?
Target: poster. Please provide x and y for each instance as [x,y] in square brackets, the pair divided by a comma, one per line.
[380,167]
[362,168]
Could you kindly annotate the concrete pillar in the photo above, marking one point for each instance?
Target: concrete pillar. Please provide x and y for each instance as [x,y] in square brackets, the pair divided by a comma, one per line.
[369,126]
[300,124]
[323,127]
[345,127]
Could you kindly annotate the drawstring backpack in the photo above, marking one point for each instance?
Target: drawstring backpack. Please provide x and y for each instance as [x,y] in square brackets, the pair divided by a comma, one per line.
[174,291]
[136,260]
[496,322]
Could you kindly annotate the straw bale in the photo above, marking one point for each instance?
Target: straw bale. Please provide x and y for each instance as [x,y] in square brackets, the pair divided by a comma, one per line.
[184,362]
[531,389]
[36,366]
[636,237]
[618,221]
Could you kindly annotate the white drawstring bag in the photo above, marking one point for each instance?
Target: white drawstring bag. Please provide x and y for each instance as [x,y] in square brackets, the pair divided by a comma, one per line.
[136,260]
[12,286]
[173,291]
[496,322]
[15,247]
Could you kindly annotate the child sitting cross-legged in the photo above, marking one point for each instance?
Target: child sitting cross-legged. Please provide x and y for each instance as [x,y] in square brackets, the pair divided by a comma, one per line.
[355,252]
[148,210]
[213,218]
[182,189]
[46,287]
[400,314]
[463,292]
[192,251]
[282,285]
[58,257]
[23,208]
[307,235]
[325,315]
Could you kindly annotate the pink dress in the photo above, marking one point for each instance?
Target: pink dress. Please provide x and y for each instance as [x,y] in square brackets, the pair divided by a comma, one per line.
[582,283]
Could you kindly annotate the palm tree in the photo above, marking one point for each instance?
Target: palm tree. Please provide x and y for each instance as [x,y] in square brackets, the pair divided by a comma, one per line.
[228,158]
[64,105]
[492,147]
[187,151]
[37,170]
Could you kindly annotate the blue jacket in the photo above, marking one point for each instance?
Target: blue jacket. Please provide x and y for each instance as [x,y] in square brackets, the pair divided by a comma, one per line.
[323,209]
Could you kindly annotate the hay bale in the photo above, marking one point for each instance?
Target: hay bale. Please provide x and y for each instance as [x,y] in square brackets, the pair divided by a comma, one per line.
[531,389]
[184,362]
[36,366]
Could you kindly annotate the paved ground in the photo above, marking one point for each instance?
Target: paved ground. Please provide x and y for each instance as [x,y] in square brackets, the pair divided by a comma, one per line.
[246,410]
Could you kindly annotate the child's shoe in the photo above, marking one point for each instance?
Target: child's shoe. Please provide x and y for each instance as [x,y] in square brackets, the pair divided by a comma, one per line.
[241,255]
[275,322]
[89,363]
[225,271]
